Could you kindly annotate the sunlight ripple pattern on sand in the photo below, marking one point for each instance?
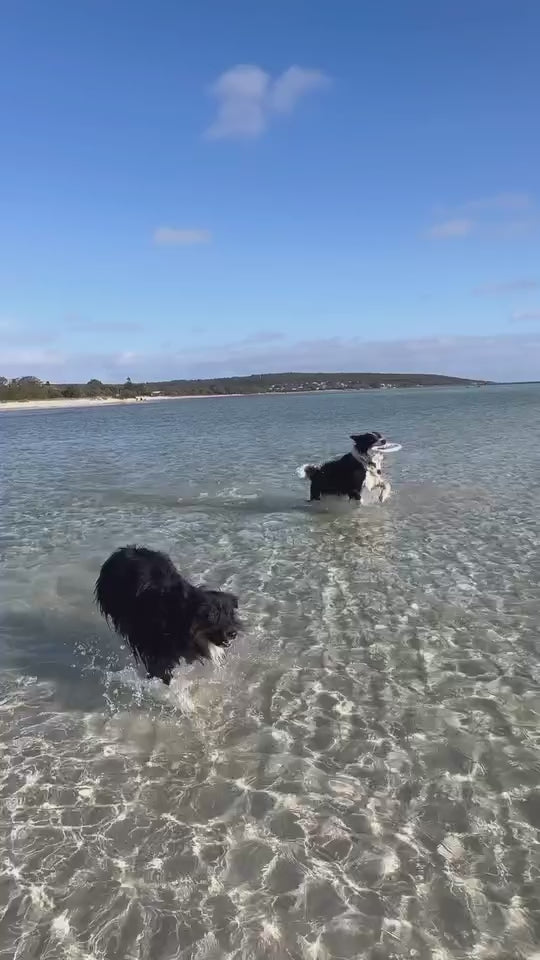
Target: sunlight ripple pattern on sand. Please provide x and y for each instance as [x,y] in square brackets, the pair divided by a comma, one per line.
[360,778]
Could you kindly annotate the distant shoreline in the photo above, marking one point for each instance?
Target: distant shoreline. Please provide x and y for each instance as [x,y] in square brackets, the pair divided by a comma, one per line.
[64,403]
[75,403]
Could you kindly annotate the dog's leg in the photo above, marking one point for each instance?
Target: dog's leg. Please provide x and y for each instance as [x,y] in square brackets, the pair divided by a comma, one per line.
[385,489]
[157,670]
[315,493]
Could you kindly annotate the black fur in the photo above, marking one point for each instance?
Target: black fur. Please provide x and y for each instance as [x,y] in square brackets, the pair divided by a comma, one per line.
[163,617]
[343,477]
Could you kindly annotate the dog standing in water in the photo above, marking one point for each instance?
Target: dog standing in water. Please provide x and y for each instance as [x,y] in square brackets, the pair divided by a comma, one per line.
[163,617]
[346,477]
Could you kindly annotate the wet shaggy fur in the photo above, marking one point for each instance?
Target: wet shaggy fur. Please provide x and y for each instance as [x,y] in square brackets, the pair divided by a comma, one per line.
[163,617]
[344,477]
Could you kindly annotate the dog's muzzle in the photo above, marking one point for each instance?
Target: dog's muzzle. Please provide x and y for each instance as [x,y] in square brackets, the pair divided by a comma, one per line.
[385,446]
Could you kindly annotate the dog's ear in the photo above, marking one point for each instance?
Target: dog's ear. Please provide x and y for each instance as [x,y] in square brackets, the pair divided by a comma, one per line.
[220,607]
[228,603]
[228,600]
[363,441]
[372,436]
[232,599]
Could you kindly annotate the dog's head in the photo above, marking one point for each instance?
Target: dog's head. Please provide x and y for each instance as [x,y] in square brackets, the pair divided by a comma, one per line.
[365,442]
[217,622]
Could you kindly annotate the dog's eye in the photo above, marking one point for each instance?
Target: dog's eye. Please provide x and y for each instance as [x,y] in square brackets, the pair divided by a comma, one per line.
[231,635]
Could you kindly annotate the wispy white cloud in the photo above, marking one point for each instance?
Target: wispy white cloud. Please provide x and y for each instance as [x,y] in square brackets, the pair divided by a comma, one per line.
[505,287]
[248,97]
[262,336]
[293,84]
[79,324]
[126,357]
[510,229]
[242,95]
[21,361]
[452,228]
[510,357]
[502,216]
[13,333]
[180,237]
[526,316]
[506,202]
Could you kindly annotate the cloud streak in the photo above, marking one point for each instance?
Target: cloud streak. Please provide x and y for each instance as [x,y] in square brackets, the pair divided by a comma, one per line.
[14,334]
[262,336]
[503,216]
[506,287]
[248,98]
[511,357]
[78,324]
[526,316]
[452,228]
[180,236]
[505,202]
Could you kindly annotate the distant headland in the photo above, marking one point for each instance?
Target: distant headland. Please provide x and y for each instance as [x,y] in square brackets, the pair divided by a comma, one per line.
[31,389]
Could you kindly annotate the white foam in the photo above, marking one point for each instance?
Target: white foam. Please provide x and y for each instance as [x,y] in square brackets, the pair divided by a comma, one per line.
[217,654]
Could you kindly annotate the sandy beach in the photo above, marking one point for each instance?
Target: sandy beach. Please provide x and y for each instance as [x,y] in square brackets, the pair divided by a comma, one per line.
[65,403]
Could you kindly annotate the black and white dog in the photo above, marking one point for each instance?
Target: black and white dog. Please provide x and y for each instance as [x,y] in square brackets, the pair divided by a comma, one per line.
[346,477]
[163,617]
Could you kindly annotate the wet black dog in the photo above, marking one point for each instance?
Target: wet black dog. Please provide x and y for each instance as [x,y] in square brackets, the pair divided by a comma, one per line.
[163,618]
[345,477]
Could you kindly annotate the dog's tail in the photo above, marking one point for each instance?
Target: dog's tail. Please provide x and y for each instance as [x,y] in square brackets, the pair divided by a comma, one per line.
[307,471]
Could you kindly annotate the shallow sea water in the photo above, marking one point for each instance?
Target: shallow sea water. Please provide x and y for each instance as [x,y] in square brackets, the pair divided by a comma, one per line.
[361,777]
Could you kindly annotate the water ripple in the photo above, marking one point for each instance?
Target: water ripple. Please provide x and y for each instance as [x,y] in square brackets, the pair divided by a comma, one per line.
[361,777]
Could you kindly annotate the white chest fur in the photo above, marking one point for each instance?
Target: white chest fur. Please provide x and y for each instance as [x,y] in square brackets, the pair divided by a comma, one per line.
[374,479]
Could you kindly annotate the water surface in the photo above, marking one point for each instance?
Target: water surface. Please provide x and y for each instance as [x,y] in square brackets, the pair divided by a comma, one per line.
[361,779]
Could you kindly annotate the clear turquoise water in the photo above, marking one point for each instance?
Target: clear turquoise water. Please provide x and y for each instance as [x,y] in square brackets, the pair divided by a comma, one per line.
[361,779]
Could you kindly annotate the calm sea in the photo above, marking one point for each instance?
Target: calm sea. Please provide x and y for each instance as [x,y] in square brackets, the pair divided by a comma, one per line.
[361,779]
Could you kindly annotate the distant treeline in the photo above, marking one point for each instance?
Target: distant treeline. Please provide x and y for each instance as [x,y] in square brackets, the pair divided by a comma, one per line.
[31,388]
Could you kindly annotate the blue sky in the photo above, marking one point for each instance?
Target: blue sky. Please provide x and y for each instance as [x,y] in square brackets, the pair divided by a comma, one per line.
[211,188]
